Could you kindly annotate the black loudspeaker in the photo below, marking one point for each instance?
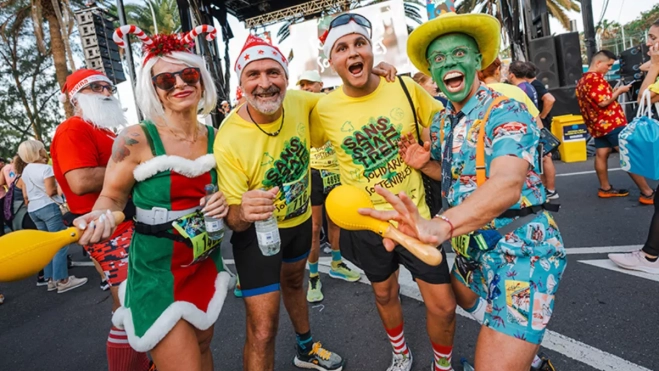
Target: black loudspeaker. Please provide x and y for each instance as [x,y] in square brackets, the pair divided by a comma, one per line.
[566,101]
[631,61]
[568,52]
[542,53]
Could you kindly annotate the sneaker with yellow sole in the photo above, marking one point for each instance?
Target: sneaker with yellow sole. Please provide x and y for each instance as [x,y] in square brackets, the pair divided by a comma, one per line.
[314,291]
[342,272]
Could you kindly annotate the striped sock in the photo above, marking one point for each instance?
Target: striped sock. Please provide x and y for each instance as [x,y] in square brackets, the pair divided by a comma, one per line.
[443,354]
[121,357]
[397,339]
[313,269]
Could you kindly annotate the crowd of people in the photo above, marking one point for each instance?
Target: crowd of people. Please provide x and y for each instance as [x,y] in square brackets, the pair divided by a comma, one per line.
[456,123]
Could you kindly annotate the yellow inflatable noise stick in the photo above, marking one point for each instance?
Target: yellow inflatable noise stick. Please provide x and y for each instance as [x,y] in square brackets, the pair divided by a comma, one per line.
[342,204]
[24,253]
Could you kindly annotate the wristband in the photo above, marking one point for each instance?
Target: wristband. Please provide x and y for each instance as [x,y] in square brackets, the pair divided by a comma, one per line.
[442,217]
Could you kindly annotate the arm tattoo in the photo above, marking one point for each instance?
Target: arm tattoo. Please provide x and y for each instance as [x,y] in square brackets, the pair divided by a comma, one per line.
[120,148]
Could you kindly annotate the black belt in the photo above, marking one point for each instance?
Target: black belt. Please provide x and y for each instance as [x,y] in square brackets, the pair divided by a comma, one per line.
[160,230]
[514,213]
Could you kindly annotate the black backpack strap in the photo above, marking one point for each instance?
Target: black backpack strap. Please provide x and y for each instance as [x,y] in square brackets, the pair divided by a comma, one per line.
[409,100]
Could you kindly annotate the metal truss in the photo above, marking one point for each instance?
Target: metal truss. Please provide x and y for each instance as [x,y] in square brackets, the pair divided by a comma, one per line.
[311,7]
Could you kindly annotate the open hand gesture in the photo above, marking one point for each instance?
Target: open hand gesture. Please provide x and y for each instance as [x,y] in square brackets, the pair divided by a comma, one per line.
[414,155]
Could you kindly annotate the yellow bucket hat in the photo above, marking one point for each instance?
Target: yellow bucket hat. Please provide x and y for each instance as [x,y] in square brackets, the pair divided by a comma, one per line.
[485,29]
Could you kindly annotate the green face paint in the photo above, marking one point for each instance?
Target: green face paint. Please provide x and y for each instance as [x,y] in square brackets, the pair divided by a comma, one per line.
[454,61]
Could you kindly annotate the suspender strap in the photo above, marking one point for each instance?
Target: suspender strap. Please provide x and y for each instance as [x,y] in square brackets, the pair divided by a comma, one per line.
[481,175]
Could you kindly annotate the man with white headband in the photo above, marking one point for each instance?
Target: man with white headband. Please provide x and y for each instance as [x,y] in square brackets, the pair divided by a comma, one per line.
[364,121]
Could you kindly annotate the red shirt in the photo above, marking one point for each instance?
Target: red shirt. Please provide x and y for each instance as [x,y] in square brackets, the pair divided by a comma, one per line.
[593,89]
[78,144]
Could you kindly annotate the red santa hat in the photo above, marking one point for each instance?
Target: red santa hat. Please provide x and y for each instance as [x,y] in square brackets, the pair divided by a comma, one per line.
[256,49]
[79,80]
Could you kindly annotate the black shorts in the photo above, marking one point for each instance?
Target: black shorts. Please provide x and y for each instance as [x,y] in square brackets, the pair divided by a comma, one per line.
[366,251]
[260,274]
[320,190]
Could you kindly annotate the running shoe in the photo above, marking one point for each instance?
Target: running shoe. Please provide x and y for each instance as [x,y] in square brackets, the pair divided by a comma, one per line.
[52,285]
[237,292]
[314,291]
[105,286]
[343,272]
[635,261]
[319,359]
[646,200]
[41,281]
[612,192]
[72,283]
[552,195]
[401,362]
[326,247]
[545,366]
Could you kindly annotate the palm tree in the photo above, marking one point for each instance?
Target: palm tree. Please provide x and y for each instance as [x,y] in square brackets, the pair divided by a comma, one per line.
[57,14]
[411,12]
[556,8]
[166,14]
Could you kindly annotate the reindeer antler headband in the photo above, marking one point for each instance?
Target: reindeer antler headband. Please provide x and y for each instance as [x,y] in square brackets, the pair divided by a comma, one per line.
[161,45]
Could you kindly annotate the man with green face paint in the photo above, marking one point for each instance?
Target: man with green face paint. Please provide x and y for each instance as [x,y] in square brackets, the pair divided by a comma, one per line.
[484,148]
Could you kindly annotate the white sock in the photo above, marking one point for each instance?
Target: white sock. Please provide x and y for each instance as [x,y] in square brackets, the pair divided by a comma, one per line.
[537,361]
[478,310]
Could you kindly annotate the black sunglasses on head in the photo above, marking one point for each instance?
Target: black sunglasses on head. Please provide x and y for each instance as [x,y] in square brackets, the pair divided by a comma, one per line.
[167,80]
[344,19]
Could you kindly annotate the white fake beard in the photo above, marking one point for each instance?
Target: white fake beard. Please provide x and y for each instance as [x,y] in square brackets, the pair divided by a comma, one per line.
[266,108]
[101,111]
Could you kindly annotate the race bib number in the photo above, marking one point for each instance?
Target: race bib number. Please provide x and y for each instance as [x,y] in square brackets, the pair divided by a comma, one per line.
[293,199]
[192,228]
[330,180]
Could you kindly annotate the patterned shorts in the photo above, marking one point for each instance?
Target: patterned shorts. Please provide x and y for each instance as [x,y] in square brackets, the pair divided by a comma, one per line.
[112,254]
[519,278]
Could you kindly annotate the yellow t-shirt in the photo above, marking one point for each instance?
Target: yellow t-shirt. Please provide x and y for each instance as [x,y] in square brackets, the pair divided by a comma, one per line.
[248,159]
[655,87]
[324,158]
[365,131]
[515,93]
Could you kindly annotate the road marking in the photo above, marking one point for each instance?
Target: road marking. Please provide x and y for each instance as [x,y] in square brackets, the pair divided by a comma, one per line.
[568,347]
[608,264]
[602,249]
[82,264]
[586,172]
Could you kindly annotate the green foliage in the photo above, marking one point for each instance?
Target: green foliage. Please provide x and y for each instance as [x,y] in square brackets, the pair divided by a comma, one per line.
[166,16]
[28,88]
[557,8]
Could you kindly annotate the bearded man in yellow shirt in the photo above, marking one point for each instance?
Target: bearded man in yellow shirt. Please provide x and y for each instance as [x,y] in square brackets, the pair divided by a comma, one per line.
[363,121]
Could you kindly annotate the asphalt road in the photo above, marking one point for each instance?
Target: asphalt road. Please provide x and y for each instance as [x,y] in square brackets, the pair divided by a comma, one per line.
[603,319]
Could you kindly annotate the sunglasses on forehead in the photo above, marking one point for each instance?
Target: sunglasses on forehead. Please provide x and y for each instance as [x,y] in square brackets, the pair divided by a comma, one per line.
[344,19]
[167,80]
[98,88]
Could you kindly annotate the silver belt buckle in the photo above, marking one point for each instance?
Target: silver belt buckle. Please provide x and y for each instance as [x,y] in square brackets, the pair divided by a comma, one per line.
[159,215]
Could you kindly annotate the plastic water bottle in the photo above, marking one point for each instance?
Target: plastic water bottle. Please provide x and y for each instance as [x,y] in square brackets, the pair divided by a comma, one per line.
[267,235]
[214,226]
[465,365]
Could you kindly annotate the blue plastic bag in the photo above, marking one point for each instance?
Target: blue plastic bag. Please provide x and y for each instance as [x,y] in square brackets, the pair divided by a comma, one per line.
[639,142]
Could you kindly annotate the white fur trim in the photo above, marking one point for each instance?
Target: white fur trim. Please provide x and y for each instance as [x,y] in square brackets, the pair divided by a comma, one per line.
[123,317]
[338,32]
[183,166]
[86,81]
[62,97]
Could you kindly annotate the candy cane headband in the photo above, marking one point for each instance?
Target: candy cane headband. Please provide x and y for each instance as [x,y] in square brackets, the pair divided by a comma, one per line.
[161,45]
